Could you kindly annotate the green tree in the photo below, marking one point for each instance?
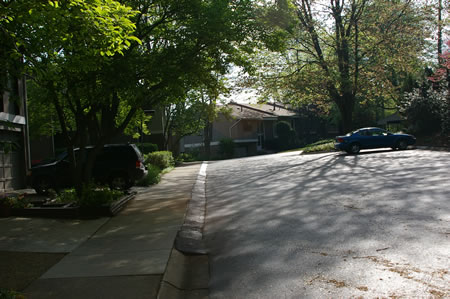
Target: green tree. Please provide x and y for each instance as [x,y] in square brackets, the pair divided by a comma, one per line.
[99,61]
[345,51]
[61,45]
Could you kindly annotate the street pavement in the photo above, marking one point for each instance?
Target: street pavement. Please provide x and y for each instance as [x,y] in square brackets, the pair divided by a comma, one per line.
[119,257]
[330,225]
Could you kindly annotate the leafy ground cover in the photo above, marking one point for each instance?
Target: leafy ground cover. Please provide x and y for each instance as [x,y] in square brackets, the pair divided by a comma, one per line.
[158,163]
[325,145]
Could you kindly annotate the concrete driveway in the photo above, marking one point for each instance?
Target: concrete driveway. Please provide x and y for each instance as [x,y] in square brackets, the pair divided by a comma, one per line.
[330,225]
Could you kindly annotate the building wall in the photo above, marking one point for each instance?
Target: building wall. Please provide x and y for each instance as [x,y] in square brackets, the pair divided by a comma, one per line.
[13,137]
[246,129]
[269,129]
[12,162]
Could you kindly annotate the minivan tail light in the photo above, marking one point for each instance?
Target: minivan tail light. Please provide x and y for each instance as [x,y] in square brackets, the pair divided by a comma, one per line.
[138,164]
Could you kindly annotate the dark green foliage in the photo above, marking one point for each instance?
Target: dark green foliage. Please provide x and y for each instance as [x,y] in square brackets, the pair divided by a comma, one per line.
[153,177]
[186,157]
[10,294]
[97,62]
[425,110]
[8,146]
[226,147]
[66,196]
[364,116]
[162,159]
[286,136]
[147,147]
[95,197]
[283,129]
[319,146]
[91,196]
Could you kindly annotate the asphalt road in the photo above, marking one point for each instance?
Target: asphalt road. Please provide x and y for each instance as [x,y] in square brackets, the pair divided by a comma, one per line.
[330,225]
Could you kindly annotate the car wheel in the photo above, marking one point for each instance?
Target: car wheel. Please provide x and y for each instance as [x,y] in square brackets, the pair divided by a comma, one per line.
[119,182]
[402,145]
[354,148]
[42,185]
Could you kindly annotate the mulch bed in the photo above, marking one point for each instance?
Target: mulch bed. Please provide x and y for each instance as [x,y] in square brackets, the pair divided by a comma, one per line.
[40,209]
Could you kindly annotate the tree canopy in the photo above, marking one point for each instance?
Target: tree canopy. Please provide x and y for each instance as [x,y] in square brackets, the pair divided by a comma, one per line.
[98,62]
[343,52]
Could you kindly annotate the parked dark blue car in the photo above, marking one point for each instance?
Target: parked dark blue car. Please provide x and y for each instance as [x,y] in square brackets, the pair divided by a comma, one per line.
[367,138]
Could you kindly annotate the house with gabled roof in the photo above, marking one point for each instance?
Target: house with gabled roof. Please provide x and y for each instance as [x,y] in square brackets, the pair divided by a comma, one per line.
[250,126]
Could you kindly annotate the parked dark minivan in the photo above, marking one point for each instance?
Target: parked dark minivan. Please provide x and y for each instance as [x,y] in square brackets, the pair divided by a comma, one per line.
[118,165]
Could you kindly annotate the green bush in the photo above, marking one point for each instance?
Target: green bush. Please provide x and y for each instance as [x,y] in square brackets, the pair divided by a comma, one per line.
[18,201]
[226,147]
[66,196]
[95,197]
[320,146]
[162,159]
[147,147]
[287,138]
[10,294]
[186,157]
[153,176]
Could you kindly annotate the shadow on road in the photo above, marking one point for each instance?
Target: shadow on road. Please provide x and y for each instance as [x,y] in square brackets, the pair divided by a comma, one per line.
[275,211]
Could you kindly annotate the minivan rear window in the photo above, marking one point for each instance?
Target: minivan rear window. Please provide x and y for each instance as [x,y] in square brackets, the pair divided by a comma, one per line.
[141,157]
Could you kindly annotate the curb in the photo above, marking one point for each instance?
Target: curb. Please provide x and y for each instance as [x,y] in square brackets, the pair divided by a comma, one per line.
[187,271]
[186,276]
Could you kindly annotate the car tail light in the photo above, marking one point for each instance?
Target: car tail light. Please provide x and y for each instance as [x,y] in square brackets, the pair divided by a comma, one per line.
[138,164]
[340,140]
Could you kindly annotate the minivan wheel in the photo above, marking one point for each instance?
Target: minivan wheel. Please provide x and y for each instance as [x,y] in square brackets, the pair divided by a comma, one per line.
[119,182]
[402,145]
[354,148]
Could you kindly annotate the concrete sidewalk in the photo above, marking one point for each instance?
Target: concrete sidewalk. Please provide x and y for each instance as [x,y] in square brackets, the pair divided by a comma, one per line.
[120,257]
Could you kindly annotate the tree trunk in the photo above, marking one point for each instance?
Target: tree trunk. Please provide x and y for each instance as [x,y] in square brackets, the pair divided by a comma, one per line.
[346,106]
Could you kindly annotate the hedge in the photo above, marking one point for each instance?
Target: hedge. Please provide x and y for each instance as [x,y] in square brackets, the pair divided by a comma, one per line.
[162,159]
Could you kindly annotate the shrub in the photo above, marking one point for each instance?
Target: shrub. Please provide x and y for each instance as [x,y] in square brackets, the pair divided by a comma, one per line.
[66,196]
[18,201]
[10,294]
[153,176]
[162,159]
[186,157]
[426,109]
[147,147]
[226,147]
[286,135]
[6,201]
[92,197]
[283,129]
[320,146]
